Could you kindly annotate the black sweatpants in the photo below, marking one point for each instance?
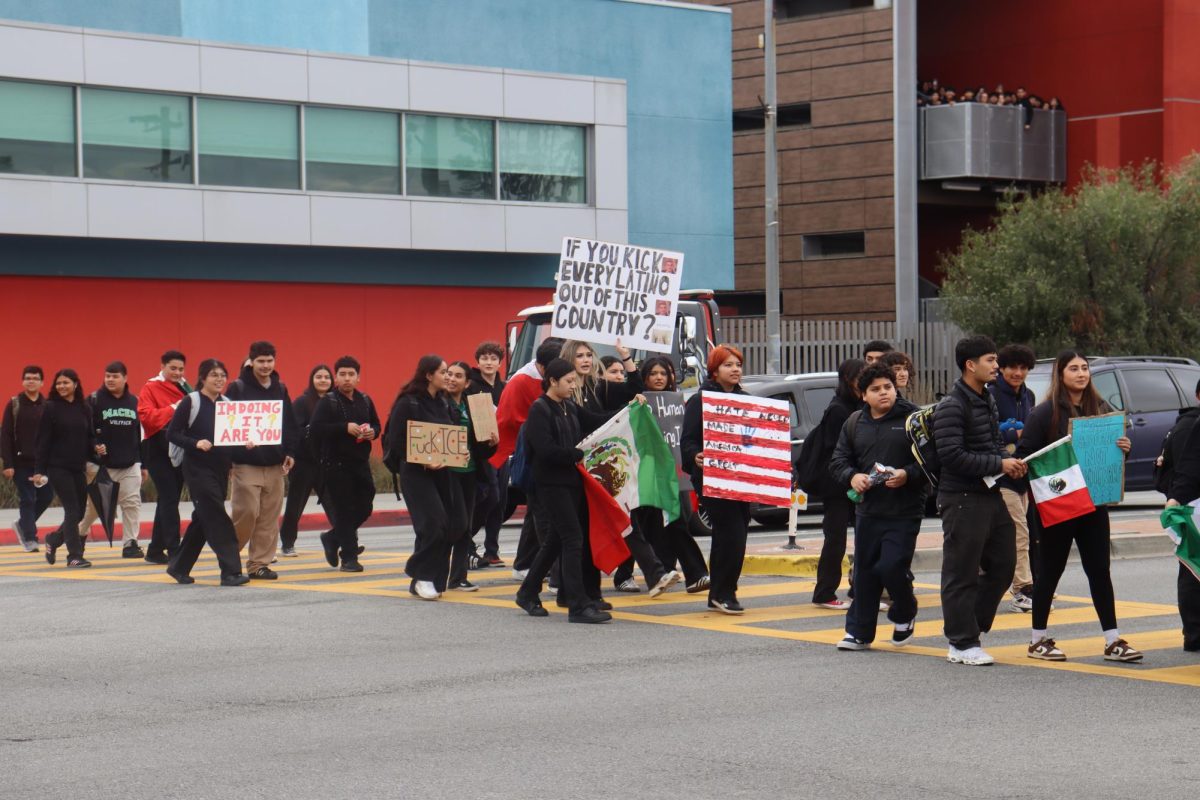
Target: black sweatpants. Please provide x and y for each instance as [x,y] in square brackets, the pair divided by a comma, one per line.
[349,495]
[438,518]
[1090,533]
[979,557]
[673,543]
[730,521]
[71,488]
[302,479]
[209,523]
[839,512]
[883,553]
[1189,607]
[565,540]
[462,549]
[168,483]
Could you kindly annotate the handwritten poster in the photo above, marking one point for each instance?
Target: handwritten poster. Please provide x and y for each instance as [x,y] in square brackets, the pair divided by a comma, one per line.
[747,448]
[434,443]
[483,416]
[242,422]
[1100,460]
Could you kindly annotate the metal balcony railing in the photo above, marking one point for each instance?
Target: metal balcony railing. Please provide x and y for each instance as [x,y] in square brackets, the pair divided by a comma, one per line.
[975,141]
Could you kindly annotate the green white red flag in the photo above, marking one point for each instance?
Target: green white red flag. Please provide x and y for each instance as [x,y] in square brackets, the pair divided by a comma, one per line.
[1057,483]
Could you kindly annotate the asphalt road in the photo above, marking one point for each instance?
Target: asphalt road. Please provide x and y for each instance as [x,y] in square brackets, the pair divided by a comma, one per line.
[110,689]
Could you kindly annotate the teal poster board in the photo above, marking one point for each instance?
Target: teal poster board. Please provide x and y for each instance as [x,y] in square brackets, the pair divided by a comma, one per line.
[1100,460]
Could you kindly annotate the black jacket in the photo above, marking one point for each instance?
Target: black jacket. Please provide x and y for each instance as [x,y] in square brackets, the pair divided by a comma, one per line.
[115,420]
[833,419]
[18,438]
[552,434]
[881,441]
[1184,446]
[613,396]
[416,407]
[307,448]
[478,385]
[691,436]
[967,432]
[65,437]
[187,435]
[247,387]
[333,413]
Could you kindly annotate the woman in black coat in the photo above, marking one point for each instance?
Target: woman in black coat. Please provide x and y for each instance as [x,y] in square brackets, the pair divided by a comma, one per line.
[305,473]
[729,519]
[458,378]
[65,442]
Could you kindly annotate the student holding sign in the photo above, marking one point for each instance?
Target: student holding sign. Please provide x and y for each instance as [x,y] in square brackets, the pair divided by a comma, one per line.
[434,499]
[465,476]
[1072,395]
[730,519]
[206,472]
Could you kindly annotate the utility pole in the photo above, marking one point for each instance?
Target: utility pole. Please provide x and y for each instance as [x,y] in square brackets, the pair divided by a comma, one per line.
[774,343]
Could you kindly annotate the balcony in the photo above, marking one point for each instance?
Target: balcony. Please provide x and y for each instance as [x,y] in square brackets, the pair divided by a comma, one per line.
[990,143]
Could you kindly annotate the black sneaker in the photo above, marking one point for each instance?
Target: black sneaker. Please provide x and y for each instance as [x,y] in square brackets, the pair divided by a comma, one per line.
[79,563]
[900,637]
[477,562]
[330,547]
[351,566]
[602,605]
[590,615]
[132,550]
[181,578]
[51,556]
[464,586]
[156,558]
[732,607]
[234,580]
[851,643]
[533,606]
[264,574]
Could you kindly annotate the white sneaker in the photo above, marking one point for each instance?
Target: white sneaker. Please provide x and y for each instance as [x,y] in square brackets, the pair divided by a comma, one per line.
[519,574]
[664,583]
[1021,603]
[883,607]
[426,590]
[972,656]
[30,546]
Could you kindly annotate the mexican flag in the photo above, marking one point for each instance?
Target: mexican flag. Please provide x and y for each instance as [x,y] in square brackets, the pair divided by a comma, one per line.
[1180,524]
[629,457]
[608,524]
[1057,483]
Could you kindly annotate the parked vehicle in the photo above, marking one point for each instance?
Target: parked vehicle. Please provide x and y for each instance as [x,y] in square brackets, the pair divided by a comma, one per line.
[1151,390]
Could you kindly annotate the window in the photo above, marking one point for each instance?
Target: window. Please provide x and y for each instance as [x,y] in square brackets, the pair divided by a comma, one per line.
[791,9]
[136,136]
[37,129]
[815,401]
[352,151]
[787,116]
[793,412]
[544,163]
[834,245]
[1105,384]
[1150,390]
[450,157]
[242,143]
[1186,378]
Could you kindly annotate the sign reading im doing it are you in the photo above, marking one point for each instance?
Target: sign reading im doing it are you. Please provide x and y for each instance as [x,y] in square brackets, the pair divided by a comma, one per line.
[242,422]
[609,292]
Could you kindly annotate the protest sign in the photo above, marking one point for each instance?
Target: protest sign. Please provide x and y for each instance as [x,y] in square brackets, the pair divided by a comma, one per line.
[242,422]
[668,412]
[483,416]
[608,292]
[1101,461]
[631,459]
[434,443]
[747,448]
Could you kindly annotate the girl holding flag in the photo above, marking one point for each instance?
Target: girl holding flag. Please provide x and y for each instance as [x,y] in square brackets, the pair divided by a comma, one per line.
[1071,395]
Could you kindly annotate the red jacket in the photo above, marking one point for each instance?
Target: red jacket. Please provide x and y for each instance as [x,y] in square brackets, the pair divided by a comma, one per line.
[519,393]
[155,403]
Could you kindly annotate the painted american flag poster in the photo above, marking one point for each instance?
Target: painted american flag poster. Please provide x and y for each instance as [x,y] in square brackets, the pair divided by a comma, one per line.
[747,448]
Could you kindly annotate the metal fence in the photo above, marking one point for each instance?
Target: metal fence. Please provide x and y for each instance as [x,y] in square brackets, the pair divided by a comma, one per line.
[821,345]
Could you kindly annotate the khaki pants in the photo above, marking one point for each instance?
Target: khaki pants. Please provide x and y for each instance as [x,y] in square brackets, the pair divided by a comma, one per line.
[257,499]
[1018,507]
[129,498]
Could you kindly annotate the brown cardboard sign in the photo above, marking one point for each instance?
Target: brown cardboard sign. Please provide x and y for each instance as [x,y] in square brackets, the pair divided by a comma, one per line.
[483,416]
[436,444]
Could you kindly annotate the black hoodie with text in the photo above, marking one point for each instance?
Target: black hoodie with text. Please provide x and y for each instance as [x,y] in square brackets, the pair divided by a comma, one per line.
[247,387]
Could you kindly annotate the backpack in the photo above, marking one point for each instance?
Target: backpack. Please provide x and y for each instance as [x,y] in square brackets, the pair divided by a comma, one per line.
[520,471]
[175,450]
[919,428]
[1164,465]
[812,465]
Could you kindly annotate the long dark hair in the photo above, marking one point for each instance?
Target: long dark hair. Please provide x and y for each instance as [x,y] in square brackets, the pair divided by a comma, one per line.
[556,370]
[311,395]
[420,379]
[466,368]
[1060,398]
[71,374]
[659,361]
[847,388]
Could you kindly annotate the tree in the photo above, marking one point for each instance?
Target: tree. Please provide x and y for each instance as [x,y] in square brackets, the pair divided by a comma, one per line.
[1111,268]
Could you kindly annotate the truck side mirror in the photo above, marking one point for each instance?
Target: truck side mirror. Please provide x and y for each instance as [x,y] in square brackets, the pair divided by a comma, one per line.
[691,372]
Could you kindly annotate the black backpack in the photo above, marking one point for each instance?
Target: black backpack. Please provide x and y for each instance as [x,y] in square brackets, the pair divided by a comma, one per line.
[812,465]
[919,427]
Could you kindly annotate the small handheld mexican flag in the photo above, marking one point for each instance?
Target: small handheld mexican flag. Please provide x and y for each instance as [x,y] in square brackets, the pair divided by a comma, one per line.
[1180,524]
[1057,483]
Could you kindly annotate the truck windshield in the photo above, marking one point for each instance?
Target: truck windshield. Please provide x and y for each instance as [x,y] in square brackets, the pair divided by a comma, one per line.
[536,329]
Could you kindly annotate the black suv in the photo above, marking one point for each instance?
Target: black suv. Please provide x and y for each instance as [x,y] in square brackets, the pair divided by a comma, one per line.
[1151,390]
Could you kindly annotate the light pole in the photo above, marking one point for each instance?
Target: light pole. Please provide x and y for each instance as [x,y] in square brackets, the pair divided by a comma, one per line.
[774,343]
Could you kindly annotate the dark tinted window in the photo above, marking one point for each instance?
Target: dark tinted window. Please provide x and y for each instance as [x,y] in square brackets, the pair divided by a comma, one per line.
[1150,390]
[1187,378]
[1106,385]
[816,399]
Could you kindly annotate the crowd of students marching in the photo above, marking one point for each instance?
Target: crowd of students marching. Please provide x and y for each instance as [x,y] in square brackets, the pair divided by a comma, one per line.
[869,481]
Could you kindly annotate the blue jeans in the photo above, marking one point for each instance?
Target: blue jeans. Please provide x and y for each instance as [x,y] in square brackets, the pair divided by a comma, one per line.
[33,501]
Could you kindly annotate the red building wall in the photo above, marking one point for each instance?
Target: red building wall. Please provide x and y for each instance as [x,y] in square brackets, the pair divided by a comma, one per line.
[85,323]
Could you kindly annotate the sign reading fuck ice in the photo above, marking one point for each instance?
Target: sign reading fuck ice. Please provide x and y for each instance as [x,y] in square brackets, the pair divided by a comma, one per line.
[243,422]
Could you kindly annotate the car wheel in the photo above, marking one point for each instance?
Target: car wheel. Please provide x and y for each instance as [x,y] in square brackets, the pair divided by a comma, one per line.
[698,524]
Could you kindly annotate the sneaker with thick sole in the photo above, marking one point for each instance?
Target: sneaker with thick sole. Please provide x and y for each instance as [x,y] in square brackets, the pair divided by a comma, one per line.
[665,582]
[532,606]
[1120,650]
[834,605]
[30,546]
[852,643]
[288,552]
[494,561]
[350,566]
[1045,650]
[1021,603]
[972,656]
[464,586]
[83,563]
[901,635]
[701,585]
[731,607]
[264,574]
[132,550]
[628,585]
[426,590]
